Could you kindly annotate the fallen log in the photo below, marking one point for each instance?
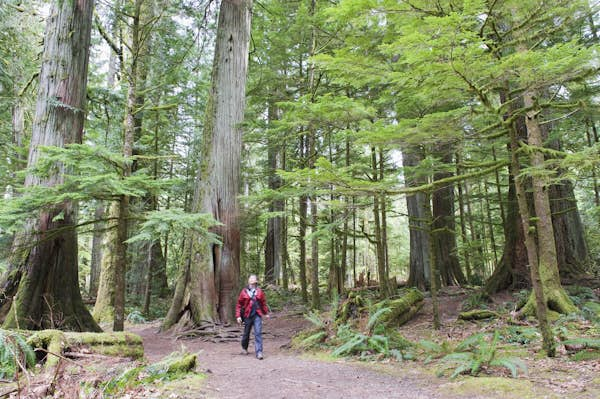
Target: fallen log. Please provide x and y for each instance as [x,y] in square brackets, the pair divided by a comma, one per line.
[402,309]
[122,344]
[478,314]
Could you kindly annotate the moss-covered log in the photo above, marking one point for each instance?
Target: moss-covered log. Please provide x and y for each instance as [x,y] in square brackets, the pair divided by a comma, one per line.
[402,309]
[57,342]
[477,314]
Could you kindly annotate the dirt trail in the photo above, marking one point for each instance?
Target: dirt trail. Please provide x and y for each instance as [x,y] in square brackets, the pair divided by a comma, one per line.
[284,373]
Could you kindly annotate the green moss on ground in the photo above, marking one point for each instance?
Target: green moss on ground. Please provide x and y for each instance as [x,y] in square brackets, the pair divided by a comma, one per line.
[497,387]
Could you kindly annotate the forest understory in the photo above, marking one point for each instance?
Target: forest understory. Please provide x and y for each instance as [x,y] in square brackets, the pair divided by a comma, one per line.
[290,370]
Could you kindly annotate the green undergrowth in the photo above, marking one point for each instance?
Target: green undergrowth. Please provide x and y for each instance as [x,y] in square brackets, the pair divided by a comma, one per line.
[174,367]
[373,340]
[477,353]
[15,354]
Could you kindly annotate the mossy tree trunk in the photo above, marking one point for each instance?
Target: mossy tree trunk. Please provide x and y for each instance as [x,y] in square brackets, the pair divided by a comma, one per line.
[532,248]
[41,288]
[554,295]
[207,286]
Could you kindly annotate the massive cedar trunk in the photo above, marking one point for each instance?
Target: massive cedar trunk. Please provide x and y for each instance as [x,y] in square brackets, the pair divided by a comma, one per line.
[569,235]
[41,287]
[512,270]
[419,271]
[207,286]
[444,235]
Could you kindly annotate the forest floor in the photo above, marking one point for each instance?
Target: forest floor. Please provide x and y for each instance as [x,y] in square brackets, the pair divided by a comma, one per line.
[223,372]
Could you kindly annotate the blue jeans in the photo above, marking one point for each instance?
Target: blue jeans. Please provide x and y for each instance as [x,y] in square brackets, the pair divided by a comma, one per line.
[255,322]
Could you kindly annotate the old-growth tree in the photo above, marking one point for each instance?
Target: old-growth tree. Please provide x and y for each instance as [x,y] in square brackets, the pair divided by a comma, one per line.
[41,287]
[208,279]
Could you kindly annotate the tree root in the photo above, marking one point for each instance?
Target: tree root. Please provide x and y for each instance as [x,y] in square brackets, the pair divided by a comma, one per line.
[557,300]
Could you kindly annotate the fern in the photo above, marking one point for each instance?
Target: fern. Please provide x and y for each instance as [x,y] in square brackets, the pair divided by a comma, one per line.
[513,364]
[313,339]
[476,353]
[376,317]
[15,353]
[354,345]
[315,318]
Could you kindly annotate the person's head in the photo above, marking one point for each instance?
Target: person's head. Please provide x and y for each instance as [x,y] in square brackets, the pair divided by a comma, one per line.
[252,280]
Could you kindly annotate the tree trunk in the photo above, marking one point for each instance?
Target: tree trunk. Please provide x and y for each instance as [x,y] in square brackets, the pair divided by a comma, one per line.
[532,249]
[383,281]
[419,270]
[273,239]
[443,226]
[554,295]
[303,214]
[463,223]
[41,286]
[96,261]
[207,286]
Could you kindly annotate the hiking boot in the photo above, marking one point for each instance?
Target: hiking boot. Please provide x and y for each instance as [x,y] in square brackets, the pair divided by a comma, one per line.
[259,356]
[244,352]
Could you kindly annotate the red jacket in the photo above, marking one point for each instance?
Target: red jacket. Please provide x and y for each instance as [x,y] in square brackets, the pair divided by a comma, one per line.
[244,303]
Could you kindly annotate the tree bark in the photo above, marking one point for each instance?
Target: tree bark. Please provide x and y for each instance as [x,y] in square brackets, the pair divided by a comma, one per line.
[41,288]
[96,261]
[553,293]
[273,257]
[207,286]
[419,269]
[444,228]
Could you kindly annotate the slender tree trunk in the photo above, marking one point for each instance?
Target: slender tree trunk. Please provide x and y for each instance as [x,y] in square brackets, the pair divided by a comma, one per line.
[383,282]
[463,222]
[417,205]
[554,295]
[384,229]
[312,155]
[41,288]
[273,239]
[96,261]
[207,286]
[532,250]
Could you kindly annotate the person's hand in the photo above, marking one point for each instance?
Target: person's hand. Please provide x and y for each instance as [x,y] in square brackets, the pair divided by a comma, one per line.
[239,320]
[268,316]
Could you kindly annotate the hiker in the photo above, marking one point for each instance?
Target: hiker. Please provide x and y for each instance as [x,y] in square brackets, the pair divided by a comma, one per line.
[250,309]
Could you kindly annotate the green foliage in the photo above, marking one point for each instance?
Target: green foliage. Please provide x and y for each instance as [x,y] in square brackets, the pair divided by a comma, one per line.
[378,341]
[87,173]
[172,367]
[15,354]
[158,223]
[519,334]
[476,300]
[476,353]
[579,294]
[136,317]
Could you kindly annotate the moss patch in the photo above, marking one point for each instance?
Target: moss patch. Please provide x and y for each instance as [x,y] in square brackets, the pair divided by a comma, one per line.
[497,387]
